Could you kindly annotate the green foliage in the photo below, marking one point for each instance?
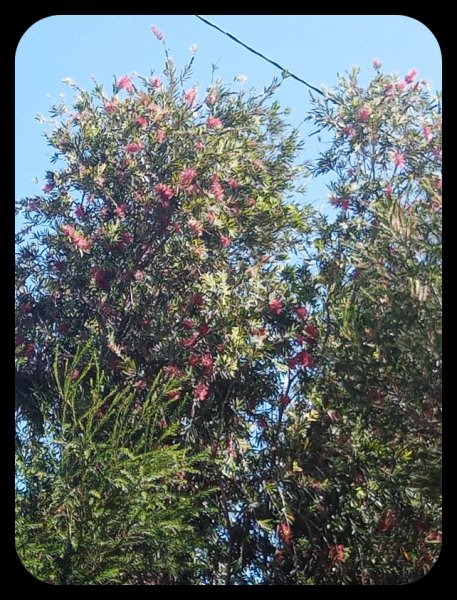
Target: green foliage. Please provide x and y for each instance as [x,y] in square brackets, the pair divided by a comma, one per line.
[106,496]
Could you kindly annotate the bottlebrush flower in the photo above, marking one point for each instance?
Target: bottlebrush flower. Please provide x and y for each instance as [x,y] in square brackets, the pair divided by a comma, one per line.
[49,187]
[187,177]
[275,306]
[410,76]
[199,147]
[165,192]
[142,121]
[172,371]
[427,131]
[364,114]
[125,83]
[161,136]
[377,64]
[225,241]
[312,332]
[285,533]
[207,362]
[132,147]
[399,159]
[81,242]
[190,96]
[120,210]
[336,553]
[187,324]
[203,329]
[210,99]
[301,312]
[196,227]
[214,123]
[101,278]
[157,33]
[156,83]
[198,300]
[80,212]
[194,360]
[284,400]
[233,184]
[201,391]
[216,188]
[343,203]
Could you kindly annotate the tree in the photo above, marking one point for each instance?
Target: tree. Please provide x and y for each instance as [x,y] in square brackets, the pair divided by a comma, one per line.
[286,360]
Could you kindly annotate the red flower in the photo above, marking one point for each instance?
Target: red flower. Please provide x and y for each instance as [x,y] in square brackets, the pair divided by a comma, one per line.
[301,312]
[195,226]
[216,188]
[172,371]
[207,362]
[142,121]
[303,358]
[199,147]
[49,187]
[336,553]
[343,203]
[233,184]
[214,123]
[201,391]
[203,329]
[365,113]
[189,342]
[68,230]
[198,300]
[81,242]
[194,360]
[275,306]
[80,212]
[75,374]
[410,76]
[187,177]
[165,192]
[120,210]
[190,96]
[132,147]
[285,533]
[225,241]
[102,278]
[284,400]
[125,83]
[157,33]
[187,324]
[399,159]
[312,331]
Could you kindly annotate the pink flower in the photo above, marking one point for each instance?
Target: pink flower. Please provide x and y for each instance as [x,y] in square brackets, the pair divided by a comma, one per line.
[68,230]
[194,360]
[410,76]
[125,83]
[401,85]
[138,275]
[216,188]
[203,329]
[259,164]
[199,147]
[343,203]
[157,33]
[284,400]
[81,242]
[377,64]
[142,121]
[165,193]
[225,241]
[250,202]
[198,300]
[190,341]
[75,374]
[303,358]
[399,159]
[210,99]
[388,192]
[132,147]
[233,184]
[187,177]
[312,331]
[301,312]
[214,123]
[156,83]
[427,131]
[110,106]
[187,324]
[120,210]
[201,391]
[195,226]
[207,362]
[390,90]
[160,136]
[49,187]
[80,212]
[336,553]
[190,96]
[101,278]
[365,113]
[172,371]
[275,306]
[348,131]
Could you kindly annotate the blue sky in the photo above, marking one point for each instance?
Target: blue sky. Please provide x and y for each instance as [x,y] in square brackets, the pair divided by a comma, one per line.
[315,48]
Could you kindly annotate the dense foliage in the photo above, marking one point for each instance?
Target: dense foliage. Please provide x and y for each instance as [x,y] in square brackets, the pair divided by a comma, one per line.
[215,384]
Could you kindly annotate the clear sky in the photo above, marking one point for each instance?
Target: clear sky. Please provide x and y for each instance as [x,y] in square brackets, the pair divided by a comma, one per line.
[316,48]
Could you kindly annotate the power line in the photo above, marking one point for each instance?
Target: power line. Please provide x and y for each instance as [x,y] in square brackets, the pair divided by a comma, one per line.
[272,62]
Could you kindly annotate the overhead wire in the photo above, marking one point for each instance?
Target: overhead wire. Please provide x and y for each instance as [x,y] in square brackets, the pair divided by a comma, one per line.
[272,62]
